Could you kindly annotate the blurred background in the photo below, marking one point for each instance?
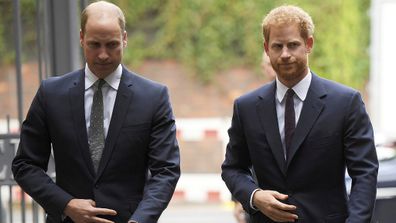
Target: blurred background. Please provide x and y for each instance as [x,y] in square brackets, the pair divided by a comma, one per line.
[208,52]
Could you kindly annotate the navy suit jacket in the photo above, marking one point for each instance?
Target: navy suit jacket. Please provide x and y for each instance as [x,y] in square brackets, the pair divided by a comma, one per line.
[139,168]
[333,133]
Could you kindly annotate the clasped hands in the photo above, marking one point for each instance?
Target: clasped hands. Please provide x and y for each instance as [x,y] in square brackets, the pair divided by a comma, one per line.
[270,204]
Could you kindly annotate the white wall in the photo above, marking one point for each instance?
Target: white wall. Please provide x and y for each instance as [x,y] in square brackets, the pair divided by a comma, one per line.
[382,88]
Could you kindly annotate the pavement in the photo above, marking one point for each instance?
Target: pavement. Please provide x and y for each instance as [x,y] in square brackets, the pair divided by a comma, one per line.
[198,213]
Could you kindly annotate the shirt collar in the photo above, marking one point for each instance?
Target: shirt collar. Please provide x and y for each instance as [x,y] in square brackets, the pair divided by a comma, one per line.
[113,79]
[301,88]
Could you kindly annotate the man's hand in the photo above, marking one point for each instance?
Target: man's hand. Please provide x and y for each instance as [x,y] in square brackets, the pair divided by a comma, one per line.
[239,213]
[84,211]
[268,202]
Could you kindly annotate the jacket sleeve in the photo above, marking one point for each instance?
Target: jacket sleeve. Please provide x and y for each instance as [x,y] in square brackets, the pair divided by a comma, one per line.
[236,168]
[163,163]
[361,160]
[31,161]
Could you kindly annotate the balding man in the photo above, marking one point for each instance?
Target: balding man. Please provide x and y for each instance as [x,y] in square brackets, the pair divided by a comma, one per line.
[112,133]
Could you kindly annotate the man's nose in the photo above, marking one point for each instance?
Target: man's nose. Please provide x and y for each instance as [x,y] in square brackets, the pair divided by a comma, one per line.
[285,53]
[103,55]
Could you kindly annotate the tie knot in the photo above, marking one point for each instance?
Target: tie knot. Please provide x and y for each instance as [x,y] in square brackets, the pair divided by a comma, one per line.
[99,83]
[290,93]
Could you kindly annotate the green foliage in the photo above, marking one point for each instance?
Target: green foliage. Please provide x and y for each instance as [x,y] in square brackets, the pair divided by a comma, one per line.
[5,22]
[208,36]
[2,46]
[7,32]
[341,41]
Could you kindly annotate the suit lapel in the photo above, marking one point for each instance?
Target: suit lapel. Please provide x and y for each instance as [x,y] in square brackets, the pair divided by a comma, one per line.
[123,98]
[313,106]
[76,101]
[266,112]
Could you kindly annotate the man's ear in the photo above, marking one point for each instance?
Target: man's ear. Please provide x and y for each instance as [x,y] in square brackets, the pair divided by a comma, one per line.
[81,37]
[266,47]
[125,39]
[309,44]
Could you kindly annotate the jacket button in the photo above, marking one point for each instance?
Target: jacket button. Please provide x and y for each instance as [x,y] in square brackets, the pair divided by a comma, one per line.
[97,186]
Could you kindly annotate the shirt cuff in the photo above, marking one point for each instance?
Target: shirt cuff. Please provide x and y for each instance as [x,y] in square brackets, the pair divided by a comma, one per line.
[251,199]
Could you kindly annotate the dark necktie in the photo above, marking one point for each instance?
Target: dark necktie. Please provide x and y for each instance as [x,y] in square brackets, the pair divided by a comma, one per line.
[96,136]
[290,119]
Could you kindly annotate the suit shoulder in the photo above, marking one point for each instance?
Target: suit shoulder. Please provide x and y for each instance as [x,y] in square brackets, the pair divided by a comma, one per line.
[144,87]
[335,87]
[62,81]
[143,81]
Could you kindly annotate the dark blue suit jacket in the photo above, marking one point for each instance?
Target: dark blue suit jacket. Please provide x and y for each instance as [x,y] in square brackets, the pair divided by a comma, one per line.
[139,168]
[333,133]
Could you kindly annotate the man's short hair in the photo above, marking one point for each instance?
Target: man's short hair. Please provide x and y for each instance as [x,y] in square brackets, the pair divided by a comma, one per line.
[288,14]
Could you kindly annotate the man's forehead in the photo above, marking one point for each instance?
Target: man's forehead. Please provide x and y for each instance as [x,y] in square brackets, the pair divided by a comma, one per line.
[282,31]
[283,25]
[102,12]
[102,8]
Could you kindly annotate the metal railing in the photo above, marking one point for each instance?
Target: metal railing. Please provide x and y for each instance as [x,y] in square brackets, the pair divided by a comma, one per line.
[15,205]
[58,52]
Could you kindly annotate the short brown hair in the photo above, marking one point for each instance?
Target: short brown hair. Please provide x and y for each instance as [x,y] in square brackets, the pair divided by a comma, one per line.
[287,14]
[85,13]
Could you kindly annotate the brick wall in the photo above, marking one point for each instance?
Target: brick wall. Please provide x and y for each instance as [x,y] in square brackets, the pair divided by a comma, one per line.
[190,99]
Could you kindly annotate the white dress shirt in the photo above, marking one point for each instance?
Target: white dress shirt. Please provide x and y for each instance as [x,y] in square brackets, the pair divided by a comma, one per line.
[301,90]
[109,91]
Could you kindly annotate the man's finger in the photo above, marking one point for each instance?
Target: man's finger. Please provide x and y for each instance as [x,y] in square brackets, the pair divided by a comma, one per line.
[282,206]
[104,211]
[282,216]
[279,196]
[101,220]
[92,202]
[279,204]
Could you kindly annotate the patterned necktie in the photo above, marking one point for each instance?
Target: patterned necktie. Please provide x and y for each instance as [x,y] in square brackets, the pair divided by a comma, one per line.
[96,136]
[290,119]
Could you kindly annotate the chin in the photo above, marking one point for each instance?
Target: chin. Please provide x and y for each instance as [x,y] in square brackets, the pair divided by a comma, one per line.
[104,71]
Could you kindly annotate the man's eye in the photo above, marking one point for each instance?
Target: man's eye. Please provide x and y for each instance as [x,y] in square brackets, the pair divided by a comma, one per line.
[293,45]
[277,46]
[113,45]
[93,45]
